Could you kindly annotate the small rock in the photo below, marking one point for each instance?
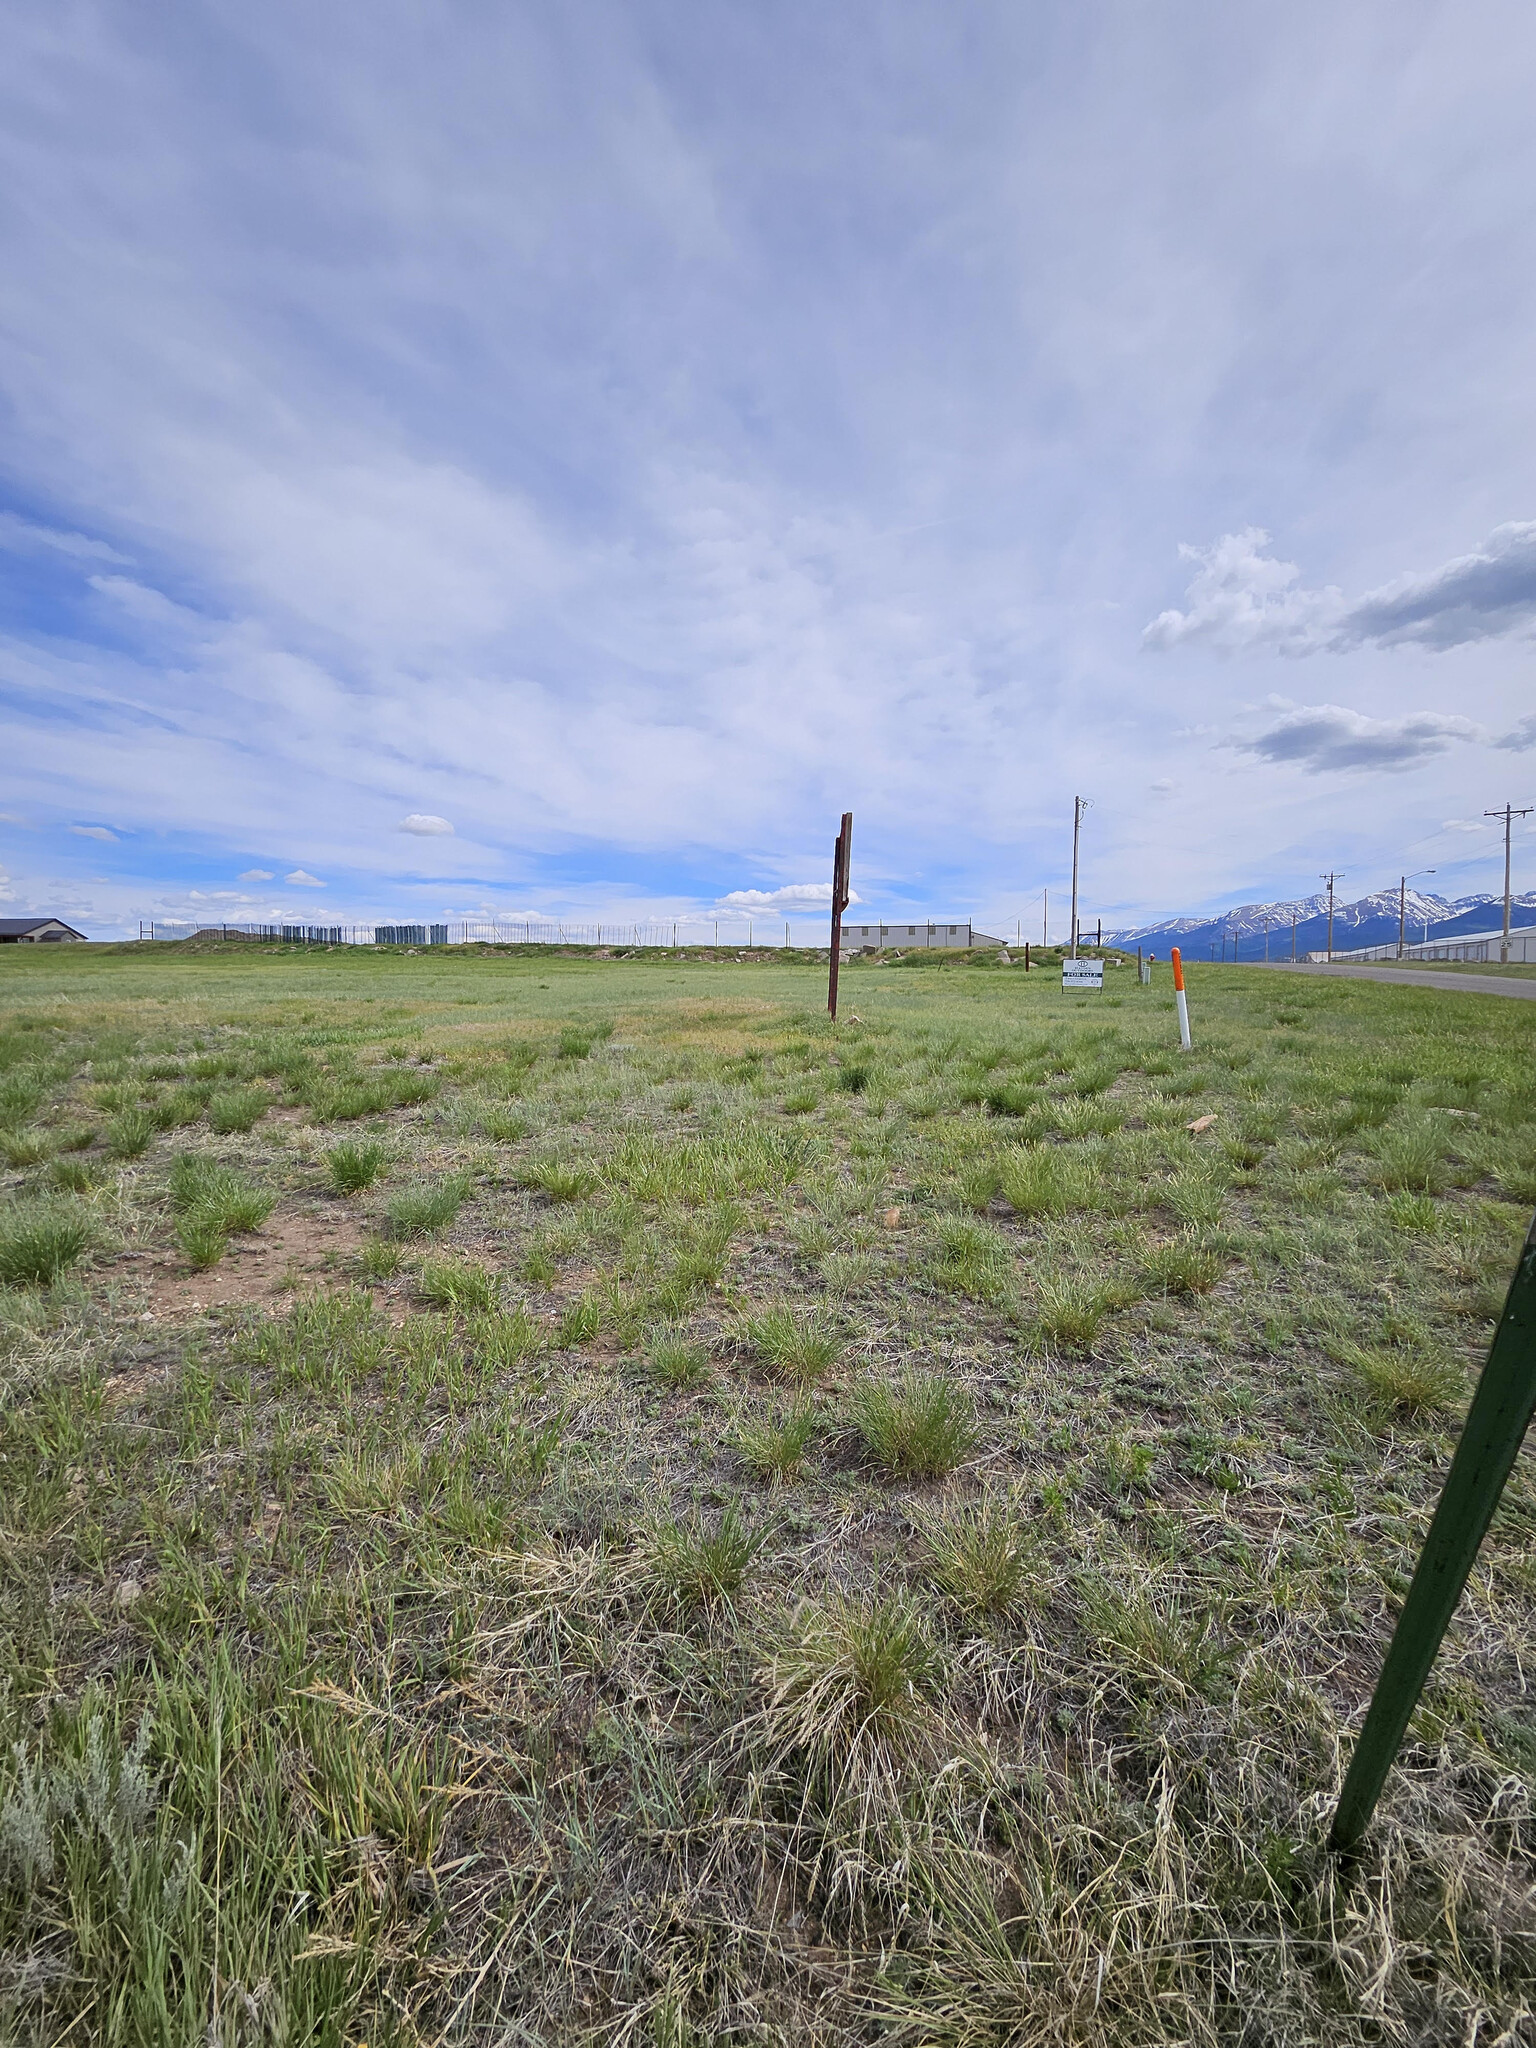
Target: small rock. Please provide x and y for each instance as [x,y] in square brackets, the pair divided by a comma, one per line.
[128,1592]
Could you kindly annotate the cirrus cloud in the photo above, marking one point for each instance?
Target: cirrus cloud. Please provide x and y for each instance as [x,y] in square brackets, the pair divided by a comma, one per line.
[94,832]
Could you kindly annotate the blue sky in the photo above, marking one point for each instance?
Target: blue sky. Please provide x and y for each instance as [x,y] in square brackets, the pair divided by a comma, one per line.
[629,435]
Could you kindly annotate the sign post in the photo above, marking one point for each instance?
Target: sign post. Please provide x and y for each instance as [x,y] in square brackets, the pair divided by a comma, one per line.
[842,856]
[1082,974]
[1490,1439]
[1180,999]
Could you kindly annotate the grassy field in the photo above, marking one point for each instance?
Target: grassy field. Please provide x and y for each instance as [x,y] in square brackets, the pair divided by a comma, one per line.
[554,1501]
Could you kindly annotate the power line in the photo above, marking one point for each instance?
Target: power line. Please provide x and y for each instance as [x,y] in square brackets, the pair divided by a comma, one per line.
[1330,878]
[1508,814]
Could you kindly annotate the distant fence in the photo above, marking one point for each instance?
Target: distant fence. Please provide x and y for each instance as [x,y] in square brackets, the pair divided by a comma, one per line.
[486,932]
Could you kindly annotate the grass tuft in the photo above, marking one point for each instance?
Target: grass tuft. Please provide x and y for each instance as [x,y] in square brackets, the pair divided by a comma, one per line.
[1182,1265]
[354,1166]
[921,1428]
[1410,1381]
[216,1196]
[462,1288]
[24,1148]
[851,1684]
[1071,1310]
[202,1238]
[981,1554]
[703,1567]
[973,1259]
[675,1360]
[803,1343]
[39,1241]
[1412,1157]
[776,1449]
[419,1211]
[1050,1180]
[238,1109]
[561,1180]
[130,1134]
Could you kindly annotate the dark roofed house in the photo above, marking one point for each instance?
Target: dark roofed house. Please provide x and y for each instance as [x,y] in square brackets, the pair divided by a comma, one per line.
[36,931]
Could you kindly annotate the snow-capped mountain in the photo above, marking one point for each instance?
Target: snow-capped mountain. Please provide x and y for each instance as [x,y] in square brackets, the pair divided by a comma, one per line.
[1368,921]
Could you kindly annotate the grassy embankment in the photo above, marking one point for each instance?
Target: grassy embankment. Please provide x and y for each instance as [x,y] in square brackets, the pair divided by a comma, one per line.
[548,1500]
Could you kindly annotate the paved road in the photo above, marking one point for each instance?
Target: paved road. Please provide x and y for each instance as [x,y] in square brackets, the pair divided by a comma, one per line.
[1465,984]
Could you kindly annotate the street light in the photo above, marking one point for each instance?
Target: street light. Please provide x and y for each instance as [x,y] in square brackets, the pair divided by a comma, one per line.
[1402,903]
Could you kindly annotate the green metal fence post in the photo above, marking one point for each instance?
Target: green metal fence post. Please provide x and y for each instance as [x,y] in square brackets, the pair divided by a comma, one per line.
[1490,1439]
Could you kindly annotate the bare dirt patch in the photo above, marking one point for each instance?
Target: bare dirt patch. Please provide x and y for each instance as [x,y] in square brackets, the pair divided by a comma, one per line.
[301,1244]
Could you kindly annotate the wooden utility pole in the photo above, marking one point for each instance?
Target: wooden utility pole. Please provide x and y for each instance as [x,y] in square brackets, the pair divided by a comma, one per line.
[1045,923]
[842,855]
[1508,814]
[1079,805]
[1330,879]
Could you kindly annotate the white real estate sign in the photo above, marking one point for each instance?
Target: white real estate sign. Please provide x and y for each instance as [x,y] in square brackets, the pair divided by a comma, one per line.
[1082,973]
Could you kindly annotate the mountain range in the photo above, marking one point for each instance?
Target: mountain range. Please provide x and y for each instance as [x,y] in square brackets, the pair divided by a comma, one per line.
[1369,921]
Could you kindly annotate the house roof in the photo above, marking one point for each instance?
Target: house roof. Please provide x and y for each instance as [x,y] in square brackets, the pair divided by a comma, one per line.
[18,927]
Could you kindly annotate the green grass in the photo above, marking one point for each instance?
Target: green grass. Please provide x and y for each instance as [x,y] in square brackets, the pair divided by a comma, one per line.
[981,1554]
[422,1211]
[802,1343]
[40,1240]
[453,1284]
[703,1566]
[1182,1265]
[921,1428]
[683,1601]
[130,1134]
[237,1109]
[775,1447]
[354,1166]
[675,1360]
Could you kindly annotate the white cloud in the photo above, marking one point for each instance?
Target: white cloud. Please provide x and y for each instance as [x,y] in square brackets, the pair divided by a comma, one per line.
[255,875]
[1328,736]
[94,832]
[1522,738]
[7,893]
[425,825]
[1240,597]
[1463,825]
[793,896]
[301,880]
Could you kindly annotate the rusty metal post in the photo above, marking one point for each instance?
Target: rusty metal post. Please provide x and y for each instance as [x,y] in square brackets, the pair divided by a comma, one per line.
[842,854]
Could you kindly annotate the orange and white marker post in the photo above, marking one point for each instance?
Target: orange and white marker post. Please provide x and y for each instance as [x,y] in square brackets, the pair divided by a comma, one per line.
[1181,999]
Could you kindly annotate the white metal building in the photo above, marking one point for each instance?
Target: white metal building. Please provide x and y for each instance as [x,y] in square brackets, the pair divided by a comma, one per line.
[859,938]
[1485,946]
